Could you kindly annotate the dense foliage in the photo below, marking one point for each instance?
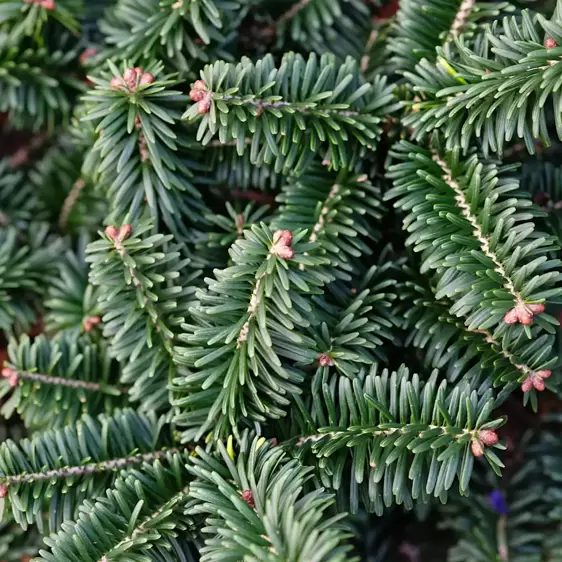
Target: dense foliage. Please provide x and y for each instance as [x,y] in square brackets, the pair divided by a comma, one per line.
[280,280]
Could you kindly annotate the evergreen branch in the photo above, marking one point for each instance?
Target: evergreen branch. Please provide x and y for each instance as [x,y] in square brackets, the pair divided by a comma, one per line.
[247,331]
[292,12]
[479,243]
[29,18]
[137,117]
[411,43]
[182,31]
[79,379]
[90,469]
[503,519]
[141,517]
[339,211]
[483,239]
[27,263]
[15,375]
[272,106]
[475,355]
[479,93]
[354,325]
[252,492]
[340,27]
[70,201]
[141,291]
[408,440]
[144,527]
[81,461]
[72,303]
[41,76]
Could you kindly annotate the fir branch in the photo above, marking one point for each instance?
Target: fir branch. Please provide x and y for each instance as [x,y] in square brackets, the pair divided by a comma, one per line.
[265,105]
[88,469]
[483,239]
[142,513]
[237,353]
[253,490]
[402,448]
[78,462]
[141,291]
[474,222]
[15,375]
[478,93]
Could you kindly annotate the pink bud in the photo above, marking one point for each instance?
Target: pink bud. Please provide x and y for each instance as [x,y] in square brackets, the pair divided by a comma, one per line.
[199,85]
[116,82]
[550,43]
[196,95]
[125,232]
[538,383]
[111,232]
[3,491]
[90,322]
[129,74]
[130,77]
[324,360]
[527,384]
[488,437]
[286,253]
[523,313]
[204,105]
[48,4]
[536,308]
[284,237]
[146,78]
[511,317]
[477,448]
[8,372]
[544,374]
[89,52]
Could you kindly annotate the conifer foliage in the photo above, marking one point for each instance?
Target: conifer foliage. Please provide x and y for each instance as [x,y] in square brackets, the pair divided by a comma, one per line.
[279,280]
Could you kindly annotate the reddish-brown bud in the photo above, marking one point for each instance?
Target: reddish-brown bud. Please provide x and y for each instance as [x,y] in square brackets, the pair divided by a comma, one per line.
[248,497]
[204,105]
[146,78]
[535,379]
[523,313]
[541,198]
[488,437]
[130,77]
[196,95]
[111,232]
[125,232]
[3,491]
[116,82]
[8,372]
[89,52]
[324,360]
[90,322]
[274,441]
[550,43]
[477,448]
[284,237]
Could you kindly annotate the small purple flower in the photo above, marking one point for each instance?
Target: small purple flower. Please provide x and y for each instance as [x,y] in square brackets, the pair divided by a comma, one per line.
[496,499]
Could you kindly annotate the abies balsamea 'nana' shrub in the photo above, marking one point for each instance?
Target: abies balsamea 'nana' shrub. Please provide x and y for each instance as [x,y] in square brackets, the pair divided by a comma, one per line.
[280,280]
